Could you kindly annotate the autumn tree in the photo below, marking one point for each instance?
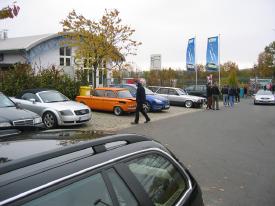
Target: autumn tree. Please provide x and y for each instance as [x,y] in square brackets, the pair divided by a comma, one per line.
[232,78]
[99,42]
[9,11]
[266,66]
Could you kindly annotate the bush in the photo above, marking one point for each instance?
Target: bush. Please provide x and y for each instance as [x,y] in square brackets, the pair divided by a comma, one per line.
[22,76]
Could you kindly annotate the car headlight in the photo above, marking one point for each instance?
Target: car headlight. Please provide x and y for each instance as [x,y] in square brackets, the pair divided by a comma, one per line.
[158,101]
[66,113]
[5,124]
[37,120]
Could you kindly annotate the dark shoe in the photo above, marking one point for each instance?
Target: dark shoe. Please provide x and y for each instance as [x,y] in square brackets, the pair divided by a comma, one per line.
[134,122]
[147,121]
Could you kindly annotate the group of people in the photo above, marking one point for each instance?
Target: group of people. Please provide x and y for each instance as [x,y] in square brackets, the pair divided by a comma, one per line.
[212,93]
[230,95]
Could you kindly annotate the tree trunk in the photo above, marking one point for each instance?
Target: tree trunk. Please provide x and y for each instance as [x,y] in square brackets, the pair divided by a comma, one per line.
[95,73]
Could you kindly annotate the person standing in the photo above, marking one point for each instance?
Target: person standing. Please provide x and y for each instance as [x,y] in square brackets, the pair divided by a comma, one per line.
[209,96]
[225,95]
[238,94]
[273,88]
[231,94]
[245,91]
[141,100]
[215,94]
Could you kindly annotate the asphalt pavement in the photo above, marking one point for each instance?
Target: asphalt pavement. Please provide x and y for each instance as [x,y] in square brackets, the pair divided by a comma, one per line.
[231,152]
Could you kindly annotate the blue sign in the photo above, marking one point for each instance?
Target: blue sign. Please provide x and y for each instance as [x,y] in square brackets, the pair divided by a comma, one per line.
[212,54]
[190,55]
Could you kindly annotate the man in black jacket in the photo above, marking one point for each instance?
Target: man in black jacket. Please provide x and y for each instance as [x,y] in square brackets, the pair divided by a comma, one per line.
[141,100]
[216,94]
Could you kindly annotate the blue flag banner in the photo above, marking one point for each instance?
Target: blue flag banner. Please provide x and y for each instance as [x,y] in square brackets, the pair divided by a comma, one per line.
[212,54]
[190,55]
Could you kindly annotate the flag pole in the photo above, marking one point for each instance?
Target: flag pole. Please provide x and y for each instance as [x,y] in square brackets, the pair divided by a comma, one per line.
[195,60]
[219,61]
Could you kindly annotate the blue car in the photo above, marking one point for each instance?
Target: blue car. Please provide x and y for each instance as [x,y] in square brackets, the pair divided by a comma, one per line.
[154,102]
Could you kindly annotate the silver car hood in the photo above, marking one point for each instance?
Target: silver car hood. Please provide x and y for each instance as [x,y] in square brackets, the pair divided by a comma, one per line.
[68,105]
[13,113]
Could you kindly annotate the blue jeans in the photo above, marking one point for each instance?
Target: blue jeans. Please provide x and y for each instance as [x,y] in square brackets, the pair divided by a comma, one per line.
[231,100]
[225,100]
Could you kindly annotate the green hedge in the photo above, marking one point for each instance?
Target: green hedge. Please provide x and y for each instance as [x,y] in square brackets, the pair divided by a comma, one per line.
[22,76]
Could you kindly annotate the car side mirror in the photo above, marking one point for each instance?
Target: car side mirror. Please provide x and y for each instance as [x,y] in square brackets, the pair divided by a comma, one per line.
[32,101]
[18,105]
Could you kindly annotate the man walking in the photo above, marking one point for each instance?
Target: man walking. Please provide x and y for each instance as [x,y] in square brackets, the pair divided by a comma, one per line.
[141,100]
[216,94]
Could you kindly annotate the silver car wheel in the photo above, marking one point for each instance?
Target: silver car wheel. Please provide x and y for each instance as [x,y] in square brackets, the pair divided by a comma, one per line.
[188,104]
[49,120]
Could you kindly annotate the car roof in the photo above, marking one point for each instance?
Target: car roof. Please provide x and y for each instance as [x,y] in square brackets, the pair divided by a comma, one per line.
[36,90]
[169,87]
[30,172]
[111,88]
[33,91]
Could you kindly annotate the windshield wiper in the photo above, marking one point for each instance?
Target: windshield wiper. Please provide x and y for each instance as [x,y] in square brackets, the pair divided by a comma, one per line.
[54,101]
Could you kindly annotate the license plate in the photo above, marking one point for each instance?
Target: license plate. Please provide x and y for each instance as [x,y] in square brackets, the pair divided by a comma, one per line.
[167,106]
[83,118]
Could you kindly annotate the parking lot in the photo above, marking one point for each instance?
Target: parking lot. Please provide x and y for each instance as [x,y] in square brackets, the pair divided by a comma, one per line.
[109,122]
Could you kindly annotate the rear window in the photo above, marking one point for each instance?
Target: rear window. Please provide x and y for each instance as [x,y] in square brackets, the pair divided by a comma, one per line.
[124,94]
[160,178]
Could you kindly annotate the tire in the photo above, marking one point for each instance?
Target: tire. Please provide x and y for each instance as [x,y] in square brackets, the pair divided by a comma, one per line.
[147,107]
[49,119]
[188,104]
[118,111]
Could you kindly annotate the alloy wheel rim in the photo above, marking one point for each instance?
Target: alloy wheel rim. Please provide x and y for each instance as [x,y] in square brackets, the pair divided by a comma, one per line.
[188,104]
[49,120]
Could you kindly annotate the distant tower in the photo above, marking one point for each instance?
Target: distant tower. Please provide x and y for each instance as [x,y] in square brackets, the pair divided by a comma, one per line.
[155,62]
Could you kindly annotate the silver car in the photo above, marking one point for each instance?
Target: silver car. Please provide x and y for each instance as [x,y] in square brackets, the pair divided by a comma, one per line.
[13,117]
[179,97]
[264,97]
[54,108]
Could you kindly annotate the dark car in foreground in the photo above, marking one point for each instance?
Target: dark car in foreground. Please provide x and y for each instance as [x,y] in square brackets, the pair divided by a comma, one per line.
[154,102]
[124,169]
[11,116]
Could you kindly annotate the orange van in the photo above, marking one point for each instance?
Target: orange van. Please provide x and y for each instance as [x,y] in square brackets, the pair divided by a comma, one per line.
[118,100]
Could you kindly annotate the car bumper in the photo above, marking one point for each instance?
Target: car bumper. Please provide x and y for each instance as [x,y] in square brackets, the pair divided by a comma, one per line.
[264,102]
[158,107]
[74,120]
[198,104]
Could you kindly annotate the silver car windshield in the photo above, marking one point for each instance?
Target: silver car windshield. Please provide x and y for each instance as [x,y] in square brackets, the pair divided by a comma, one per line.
[124,94]
[264,92]
[52,96]
[182,92]
[5,101]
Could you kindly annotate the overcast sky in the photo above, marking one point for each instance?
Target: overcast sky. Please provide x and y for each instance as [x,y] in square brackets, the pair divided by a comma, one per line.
[164,26]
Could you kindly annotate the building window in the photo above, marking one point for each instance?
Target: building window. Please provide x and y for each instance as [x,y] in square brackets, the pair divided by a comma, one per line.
[1,57]
[65,56]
